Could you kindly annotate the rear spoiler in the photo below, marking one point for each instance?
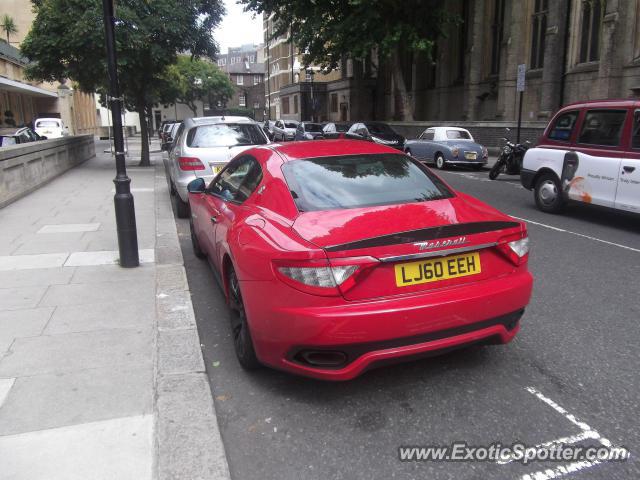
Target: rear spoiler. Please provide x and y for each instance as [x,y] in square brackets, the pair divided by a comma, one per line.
[424,234]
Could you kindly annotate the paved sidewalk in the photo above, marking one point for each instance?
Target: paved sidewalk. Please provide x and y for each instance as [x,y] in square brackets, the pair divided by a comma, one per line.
[101,372]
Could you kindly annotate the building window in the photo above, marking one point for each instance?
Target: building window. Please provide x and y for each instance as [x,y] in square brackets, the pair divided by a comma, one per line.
[334,103]
[242,100]
[285,105]
[256,79]
[539,28]
[239,80]
[590,31]
[497,30]
[295,104]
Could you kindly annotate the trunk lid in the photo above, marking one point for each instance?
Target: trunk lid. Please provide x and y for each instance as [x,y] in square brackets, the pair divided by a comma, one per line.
[409,238]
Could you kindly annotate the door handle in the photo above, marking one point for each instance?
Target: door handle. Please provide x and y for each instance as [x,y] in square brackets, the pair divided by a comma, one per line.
[214,219]
[628,169]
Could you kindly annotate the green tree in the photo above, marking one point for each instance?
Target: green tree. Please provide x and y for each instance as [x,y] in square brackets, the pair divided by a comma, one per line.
[191,79]
[328,30]
[8,26]
[67,41]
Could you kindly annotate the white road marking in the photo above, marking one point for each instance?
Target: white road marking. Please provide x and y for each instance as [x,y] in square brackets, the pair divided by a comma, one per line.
[570,440]
[588,237]
[108,257]
[69,228]
[587,433]
[27,262]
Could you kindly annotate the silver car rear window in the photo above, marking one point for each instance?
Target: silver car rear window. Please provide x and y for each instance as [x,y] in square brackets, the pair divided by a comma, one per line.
[225,135]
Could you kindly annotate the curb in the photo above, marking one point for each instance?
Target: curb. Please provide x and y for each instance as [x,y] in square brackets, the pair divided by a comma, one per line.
[188,444]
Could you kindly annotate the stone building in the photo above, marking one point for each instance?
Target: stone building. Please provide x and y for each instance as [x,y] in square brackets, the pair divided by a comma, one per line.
[27,100]
[245,67]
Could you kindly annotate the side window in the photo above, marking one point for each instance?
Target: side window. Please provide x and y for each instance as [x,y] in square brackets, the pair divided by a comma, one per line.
[602,127]
[635,133]
[563,126]
[428,135]
[238,180]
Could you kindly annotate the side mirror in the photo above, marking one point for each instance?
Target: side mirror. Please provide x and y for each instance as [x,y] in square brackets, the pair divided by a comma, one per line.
[196,186]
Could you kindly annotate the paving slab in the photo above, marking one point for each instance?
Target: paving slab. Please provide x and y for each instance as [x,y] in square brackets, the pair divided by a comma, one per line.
[120,448]
[101,316]
[78,294]
[21,297]
[78,351]
[44,276]
[113,273]
[55,400]
[23,323]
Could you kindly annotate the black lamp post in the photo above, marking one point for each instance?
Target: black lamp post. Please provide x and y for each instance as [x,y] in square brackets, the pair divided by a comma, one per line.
[310,74]
[123,200]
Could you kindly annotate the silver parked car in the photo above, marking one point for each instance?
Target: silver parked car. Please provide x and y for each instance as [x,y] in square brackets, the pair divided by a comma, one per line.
[284,130]
[447,146]
[202,147]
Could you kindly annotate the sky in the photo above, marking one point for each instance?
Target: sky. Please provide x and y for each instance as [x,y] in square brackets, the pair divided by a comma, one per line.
[237,27]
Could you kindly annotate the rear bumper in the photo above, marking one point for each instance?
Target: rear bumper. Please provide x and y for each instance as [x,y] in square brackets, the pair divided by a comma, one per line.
[526,178]
[376,332]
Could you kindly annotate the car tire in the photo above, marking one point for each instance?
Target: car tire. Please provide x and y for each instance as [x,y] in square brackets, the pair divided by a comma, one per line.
[548,194]
[240,332]
[197,250]
[182,208]
[440,163]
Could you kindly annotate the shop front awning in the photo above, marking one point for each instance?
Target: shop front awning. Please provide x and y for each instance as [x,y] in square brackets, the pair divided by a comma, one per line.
[25,88]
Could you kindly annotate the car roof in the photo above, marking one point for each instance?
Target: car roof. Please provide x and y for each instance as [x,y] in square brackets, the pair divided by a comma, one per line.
[613,102]
[328,148]
[460,129]
[195,121]
[49,118]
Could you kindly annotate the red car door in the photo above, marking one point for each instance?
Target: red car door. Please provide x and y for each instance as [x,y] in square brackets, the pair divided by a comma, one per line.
[223,205]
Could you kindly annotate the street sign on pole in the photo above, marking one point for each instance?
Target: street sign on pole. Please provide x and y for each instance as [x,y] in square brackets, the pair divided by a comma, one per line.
[522,69]
[123,200]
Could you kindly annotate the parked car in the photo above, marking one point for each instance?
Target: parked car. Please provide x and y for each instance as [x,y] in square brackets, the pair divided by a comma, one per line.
[338,256]
[377,132]
[268,128]
[51,128]
[284,130]
[203,146]
[309,131]
[334,130]
[11,136]
[164,128]
[169,136]
[589,153]
[448,146]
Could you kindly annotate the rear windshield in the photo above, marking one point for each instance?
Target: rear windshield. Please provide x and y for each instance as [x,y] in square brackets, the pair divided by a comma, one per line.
[342,127]
[458,135]
[312,127]
[47,123]
[225,135]
[329,183]
[290,125]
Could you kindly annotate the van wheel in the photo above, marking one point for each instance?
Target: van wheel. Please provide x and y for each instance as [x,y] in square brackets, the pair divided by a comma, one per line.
[182,208]
[548,194]
[242,342]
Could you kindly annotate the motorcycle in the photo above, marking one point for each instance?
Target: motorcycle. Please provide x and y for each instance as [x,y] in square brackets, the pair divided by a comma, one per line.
[510,159]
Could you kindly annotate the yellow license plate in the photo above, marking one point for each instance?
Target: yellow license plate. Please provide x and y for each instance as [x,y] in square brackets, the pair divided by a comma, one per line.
[433,270]
[470,155]
[216,169]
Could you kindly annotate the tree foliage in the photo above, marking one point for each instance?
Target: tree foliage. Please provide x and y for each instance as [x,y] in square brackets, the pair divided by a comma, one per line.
[191,79]
[67,41]
[327,30]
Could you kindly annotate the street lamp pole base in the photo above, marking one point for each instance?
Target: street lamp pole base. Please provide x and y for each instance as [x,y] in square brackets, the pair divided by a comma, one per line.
[126,223]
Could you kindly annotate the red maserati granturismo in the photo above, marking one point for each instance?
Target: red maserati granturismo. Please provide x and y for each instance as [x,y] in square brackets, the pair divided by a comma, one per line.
[338,256]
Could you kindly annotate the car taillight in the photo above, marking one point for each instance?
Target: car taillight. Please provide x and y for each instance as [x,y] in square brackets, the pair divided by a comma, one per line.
[515,248]
[454,152]
[485,152]
[190,163]
[322,277]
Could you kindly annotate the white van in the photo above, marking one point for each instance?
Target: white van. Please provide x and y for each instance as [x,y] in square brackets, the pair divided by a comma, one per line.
[50,128]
